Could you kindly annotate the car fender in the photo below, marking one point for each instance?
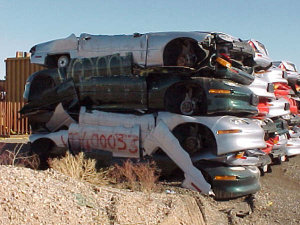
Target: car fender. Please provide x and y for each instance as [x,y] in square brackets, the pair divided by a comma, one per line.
[249,134]
[59,138]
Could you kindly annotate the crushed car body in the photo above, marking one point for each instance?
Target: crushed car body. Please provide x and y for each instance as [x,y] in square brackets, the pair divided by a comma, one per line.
[262,59]
[214,54]
[133,136]
[194,102]
[174,91]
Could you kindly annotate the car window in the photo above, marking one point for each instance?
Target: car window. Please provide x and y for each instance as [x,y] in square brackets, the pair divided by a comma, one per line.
[111,65]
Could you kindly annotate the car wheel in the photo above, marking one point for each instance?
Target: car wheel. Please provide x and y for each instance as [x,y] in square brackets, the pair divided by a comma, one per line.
[185,100]
[63,61]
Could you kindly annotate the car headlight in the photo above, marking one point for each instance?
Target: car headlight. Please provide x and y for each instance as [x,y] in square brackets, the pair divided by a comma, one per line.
[222,177]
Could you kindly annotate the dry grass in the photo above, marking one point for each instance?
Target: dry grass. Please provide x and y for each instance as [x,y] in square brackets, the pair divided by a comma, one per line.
[18,158]
[137,177]
[80,168]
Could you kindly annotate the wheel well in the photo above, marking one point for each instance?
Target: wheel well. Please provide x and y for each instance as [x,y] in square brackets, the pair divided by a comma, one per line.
[183,46]
[208,139]
[42,146]
[180,132]
[176,93]
[51,60]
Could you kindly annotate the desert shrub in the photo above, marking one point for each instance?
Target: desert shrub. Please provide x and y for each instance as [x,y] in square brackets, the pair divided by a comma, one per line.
[136,176]
[80,168]
[16,157]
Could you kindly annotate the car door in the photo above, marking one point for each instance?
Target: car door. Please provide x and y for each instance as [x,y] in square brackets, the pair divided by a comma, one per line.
[108,83]
[103,45]
[125,92]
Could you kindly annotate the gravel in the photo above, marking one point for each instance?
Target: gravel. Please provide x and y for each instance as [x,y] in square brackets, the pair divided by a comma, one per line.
[48,197]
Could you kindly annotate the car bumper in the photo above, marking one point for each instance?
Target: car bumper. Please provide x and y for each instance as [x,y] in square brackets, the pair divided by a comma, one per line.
[274,75]
[278,107]
[247,180]
[260,87]
[250,158]
[293,147]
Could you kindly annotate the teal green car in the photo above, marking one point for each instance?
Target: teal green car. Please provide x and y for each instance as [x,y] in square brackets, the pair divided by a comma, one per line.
[164,89]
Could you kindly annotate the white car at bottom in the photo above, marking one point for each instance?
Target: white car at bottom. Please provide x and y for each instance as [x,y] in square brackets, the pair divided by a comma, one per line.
[133,136]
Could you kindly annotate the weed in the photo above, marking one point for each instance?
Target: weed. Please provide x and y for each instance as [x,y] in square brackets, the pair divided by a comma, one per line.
[80,168]
[137,177]
[18,158]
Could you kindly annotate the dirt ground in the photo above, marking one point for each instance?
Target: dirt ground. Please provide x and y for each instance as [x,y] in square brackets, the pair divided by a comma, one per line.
[278,202]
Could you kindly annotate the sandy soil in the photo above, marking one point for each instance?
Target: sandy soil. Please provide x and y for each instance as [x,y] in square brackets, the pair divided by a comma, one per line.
[47,197]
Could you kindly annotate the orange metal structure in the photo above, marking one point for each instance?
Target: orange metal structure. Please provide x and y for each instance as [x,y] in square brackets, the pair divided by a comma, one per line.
[17,71]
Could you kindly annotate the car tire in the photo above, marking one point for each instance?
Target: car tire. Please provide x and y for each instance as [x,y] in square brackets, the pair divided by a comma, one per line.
[63,61]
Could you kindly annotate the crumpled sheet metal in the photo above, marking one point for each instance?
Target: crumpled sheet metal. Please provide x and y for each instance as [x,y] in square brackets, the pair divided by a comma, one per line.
[60,138]
[260,87]
[123,134]
[100,118]
[293,147]
[162,137]
[59,119]
[121,141]
[277,107]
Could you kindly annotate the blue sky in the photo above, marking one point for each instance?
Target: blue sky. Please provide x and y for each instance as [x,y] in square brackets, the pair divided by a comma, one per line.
[275,23]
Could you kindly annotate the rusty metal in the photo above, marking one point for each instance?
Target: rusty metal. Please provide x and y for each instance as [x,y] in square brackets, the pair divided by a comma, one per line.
[17,71]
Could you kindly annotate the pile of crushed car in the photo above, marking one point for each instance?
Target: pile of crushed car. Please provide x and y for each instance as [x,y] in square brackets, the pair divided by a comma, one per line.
[207,104]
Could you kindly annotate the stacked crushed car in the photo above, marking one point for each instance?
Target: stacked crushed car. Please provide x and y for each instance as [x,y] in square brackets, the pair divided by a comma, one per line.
[208,104]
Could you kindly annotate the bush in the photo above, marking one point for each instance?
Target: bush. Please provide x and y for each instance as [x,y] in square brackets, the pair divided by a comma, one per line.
[17,158]
[80,168]
[137,177]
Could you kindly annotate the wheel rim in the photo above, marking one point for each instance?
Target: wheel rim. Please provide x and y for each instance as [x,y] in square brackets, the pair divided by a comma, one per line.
[187,107]
[62,61]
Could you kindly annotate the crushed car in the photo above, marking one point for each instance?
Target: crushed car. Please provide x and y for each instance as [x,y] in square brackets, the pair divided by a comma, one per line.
[169,96]
[213,54]
[184,140]
[85,84]
[262,59]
